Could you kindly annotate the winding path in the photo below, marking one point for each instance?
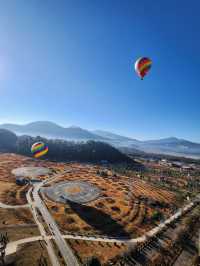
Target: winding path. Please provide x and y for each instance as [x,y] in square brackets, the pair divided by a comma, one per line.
[6,206]
[12,246]
[35,203]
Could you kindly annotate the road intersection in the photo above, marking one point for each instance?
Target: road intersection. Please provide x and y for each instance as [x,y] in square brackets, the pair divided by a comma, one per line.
[38,205]
[38,208]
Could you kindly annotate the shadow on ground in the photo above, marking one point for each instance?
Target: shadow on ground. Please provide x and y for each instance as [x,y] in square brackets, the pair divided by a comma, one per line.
[99,220]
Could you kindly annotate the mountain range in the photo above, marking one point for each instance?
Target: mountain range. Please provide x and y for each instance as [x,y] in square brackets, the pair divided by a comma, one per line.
[171,146]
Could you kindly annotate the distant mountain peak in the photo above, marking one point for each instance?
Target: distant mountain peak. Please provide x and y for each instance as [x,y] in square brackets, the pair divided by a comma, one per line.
[171,138]
[171,145]
[75,127]
[42,123]
[52,130]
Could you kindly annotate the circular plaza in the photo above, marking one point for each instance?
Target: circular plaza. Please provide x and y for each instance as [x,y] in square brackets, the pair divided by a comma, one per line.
[32,172]
[76,191]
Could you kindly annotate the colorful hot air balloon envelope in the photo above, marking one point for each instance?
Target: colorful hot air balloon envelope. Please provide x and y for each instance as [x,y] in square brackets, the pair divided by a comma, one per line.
[142,66]
[39,149]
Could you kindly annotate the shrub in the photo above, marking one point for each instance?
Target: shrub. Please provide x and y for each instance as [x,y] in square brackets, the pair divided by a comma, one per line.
[115,208]
[70,220]
[156,216]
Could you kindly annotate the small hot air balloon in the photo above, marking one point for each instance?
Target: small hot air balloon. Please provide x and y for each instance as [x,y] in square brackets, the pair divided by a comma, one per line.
[39,149]
[142,66]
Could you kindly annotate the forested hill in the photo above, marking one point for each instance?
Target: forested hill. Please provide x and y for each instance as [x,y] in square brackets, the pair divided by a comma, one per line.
[61,150]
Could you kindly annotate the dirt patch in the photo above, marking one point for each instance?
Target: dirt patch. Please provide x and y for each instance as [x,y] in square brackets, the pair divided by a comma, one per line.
[15,216]
[73,190]
[20,233]
[101,250]
[30,254]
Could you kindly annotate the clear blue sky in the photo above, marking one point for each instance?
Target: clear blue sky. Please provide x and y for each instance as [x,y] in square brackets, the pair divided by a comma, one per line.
[71,62]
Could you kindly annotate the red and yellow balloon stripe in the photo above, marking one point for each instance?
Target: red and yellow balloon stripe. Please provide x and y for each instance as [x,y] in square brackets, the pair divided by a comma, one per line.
[142,66]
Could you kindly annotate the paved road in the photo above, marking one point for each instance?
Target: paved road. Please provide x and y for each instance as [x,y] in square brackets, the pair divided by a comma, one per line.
[63,247]
[50,249]
[12,246]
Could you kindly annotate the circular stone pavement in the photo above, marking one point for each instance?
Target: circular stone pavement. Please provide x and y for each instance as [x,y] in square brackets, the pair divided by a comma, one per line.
[31,171]
[77,191]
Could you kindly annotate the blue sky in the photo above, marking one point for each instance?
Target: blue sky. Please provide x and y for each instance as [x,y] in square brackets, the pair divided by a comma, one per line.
[72,62]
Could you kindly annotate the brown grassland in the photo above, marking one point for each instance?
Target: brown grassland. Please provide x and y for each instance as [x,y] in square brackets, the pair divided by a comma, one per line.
[132,213]
[125,208]
[30,254]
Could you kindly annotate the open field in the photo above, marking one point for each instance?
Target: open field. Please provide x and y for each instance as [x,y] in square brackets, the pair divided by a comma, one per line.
[84,250]
[30,254]
[17,223]
[20,232]
[128,205]
[184,178]
[124,208]
[13,194]
[15,217]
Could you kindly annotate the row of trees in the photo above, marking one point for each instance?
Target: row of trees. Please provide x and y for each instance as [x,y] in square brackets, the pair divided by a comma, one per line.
[61,150]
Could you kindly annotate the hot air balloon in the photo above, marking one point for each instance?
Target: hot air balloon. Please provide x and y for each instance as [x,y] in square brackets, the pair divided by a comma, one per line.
[39,149]
[142,66]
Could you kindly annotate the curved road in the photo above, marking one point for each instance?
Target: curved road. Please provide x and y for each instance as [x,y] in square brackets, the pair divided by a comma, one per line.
[67,254]
[12,246]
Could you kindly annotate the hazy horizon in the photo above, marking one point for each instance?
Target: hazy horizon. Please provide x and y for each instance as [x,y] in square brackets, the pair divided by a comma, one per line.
[103,129]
